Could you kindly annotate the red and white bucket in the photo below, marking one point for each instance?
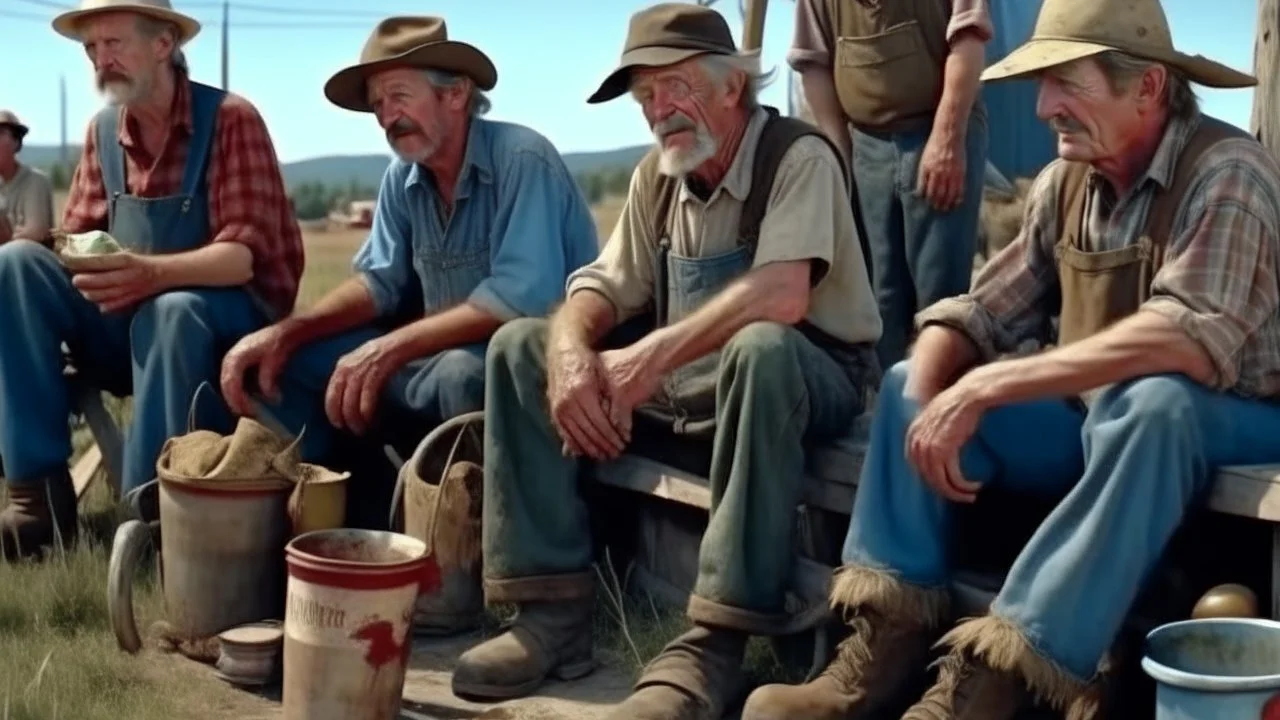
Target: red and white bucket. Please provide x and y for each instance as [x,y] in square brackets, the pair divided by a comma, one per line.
[350,600]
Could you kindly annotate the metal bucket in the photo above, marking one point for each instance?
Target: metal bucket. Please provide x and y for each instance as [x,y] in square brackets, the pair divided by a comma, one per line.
[1215,668]
[348,612]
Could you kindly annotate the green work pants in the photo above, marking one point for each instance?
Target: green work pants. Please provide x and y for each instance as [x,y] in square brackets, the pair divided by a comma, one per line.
[776,390]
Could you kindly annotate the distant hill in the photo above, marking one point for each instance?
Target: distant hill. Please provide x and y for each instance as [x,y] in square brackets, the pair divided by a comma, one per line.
[366,169]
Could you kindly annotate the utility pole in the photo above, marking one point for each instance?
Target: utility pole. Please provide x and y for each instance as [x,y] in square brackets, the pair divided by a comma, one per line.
[226,14]
[62,115]
[1265,123]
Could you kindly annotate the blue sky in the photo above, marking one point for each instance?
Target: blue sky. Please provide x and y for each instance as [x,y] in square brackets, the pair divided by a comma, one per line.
[549,54]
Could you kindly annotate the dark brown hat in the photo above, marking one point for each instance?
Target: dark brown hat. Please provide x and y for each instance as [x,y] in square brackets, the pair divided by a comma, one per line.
[664,35]
[9,120]
[408,42]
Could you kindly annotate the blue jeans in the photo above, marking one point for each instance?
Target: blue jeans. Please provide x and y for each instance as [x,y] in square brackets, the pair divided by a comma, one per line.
[918,254]
[162,351]
[1127,471]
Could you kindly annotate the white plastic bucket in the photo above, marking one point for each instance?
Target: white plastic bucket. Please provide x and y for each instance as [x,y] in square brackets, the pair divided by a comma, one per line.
[350,600]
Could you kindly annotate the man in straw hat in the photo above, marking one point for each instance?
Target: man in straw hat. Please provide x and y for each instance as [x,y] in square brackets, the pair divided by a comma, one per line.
[26,197]
[185,178]
[477,223]
[738,231]
[1156,236]
[904,75]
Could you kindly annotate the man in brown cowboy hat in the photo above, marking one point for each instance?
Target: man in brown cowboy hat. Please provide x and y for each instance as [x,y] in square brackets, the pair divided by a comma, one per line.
[185,178]
[1155,238]
[904,76]
[26,197]
[738,233]
[477,223]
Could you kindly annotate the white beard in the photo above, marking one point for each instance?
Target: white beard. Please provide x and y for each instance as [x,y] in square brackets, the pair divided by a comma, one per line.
[121,92]
[678,162]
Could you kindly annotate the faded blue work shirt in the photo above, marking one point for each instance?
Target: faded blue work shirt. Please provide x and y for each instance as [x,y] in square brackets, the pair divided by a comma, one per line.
[520,226]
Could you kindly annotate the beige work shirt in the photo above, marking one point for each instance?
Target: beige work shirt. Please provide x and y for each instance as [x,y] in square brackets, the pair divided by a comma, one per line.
[27,198]
[809,216]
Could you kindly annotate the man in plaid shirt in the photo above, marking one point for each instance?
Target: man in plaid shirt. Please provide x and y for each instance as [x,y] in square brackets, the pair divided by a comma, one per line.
[1155,239]
[185,177]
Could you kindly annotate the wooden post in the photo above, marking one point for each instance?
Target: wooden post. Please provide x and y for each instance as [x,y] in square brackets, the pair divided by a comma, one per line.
[753,25]
[1265,123]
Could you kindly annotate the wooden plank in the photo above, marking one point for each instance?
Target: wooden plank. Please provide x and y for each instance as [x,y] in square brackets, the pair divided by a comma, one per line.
[85,469]
[1251,491]
[105,433]
[642,475]
[1265,121]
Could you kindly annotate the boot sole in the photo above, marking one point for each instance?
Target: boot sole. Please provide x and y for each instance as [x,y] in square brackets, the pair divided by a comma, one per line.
[566,672]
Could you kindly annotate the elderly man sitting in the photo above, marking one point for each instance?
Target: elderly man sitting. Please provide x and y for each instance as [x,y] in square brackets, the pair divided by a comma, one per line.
[477,223]
[739,230]
[1156,236]
[26,197]
[184,176]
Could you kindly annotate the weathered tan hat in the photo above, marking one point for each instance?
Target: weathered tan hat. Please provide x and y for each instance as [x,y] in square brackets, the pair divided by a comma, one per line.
[663,35]
[68,23]
[8,119]
[408,41]
[1069,30]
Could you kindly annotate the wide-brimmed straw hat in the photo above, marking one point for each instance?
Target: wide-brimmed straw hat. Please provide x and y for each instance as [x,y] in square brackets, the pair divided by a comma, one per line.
[664,35]
[68,23]
[1068,30]
[9,120]
[408,41]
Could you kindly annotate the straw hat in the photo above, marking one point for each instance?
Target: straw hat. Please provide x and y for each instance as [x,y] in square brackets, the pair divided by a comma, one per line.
[8,119]
[68,23]
[405,41]
[1068,30]
[664,35]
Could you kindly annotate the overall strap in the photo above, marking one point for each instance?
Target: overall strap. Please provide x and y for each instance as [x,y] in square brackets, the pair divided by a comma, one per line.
[110,153]
[1071,202]
[657,191]
[205,102]
[1166,204]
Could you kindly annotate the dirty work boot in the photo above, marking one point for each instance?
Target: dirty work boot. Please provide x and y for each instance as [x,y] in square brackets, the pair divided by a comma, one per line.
[28,523]
[546,639]
[893,626]
[696,677]
[992,673]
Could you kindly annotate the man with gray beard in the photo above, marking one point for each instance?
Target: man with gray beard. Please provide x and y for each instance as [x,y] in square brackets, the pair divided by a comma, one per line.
[477,223]
[731,314]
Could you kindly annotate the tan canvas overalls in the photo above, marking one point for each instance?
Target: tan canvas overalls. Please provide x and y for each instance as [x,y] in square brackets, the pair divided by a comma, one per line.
[1100,288]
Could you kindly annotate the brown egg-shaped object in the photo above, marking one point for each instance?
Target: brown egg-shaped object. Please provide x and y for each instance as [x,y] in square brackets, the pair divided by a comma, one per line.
[1229,600]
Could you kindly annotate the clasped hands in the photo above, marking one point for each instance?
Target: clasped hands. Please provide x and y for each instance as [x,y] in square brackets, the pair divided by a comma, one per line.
[592,397]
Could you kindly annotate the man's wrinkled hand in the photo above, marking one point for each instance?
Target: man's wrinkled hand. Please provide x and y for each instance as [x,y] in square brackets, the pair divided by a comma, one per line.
[122,280]
[267,350]
[630,379]
[936,437]
[357,382]
[576,396]
[941,177]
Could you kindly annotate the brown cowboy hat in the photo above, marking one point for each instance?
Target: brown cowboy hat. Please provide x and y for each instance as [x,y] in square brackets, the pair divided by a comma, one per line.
[9,120]
[664,35]
[1069,30]
[68,23]
[408,41]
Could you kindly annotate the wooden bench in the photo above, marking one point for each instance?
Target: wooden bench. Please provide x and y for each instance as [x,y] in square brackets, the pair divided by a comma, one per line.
[108,448]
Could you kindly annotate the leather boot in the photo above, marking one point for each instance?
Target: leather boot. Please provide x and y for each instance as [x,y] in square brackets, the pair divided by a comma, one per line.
[28,523]
[698,676]
[546,639]
[893,626]
[970,690]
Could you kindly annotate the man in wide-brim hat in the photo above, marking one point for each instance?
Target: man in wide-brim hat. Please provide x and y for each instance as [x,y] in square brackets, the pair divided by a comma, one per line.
[26,195]
[728,323]
[477,223]
[185,178]
[1154,239]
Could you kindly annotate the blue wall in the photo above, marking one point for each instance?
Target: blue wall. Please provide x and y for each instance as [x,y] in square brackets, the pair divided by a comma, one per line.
[1021,144]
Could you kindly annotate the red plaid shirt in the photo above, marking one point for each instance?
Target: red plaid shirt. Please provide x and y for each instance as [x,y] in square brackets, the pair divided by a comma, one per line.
[247,199]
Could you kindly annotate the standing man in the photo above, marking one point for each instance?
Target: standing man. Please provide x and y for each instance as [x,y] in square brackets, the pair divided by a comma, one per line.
[477,223]
[185,177]
[905,76]
[26,197]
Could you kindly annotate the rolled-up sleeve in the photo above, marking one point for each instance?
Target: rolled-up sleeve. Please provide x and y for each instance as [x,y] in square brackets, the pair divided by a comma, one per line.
[542,232]
[623,273]
[973,16]
[813,36]
[1218,281]
[385,259]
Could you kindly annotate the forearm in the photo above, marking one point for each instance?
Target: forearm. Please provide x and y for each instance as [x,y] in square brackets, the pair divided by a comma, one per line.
[775,293]
[582,321]
[460,325]
[1143,344]
[347,306]
[820,92]
[214,265]
[941,354]
[37,232]
[960,85]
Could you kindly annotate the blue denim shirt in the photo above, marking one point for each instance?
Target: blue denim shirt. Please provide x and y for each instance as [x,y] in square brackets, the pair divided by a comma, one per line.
[520,225]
